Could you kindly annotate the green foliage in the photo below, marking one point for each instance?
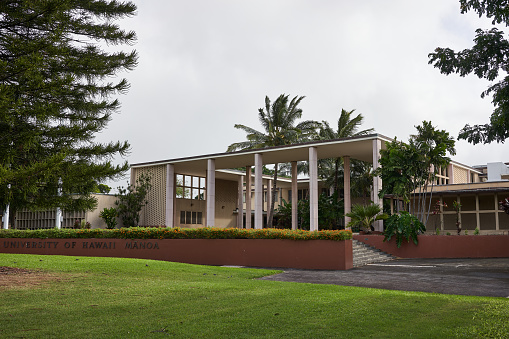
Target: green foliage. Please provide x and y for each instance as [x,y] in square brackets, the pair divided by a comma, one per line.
[487,58]
[364,216]
[102,188]
[179,233]
[81,224]
[330,213]
[403,226]
[476,231]
[406,168]
[109,215]
[55,86]
[131,200]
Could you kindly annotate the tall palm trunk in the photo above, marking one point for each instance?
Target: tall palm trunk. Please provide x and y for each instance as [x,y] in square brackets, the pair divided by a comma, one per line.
[270,219]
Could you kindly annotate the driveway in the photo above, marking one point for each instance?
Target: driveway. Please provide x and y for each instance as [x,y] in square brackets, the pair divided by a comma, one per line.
[478,277]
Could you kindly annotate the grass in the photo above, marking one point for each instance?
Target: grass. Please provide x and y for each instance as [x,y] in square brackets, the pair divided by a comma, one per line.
[92,297]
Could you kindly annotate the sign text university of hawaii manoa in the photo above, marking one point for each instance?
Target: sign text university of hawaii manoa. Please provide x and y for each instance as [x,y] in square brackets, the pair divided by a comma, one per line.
[70,245]
[306,254]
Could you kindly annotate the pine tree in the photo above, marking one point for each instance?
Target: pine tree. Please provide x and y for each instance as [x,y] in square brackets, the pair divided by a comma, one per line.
[55,85]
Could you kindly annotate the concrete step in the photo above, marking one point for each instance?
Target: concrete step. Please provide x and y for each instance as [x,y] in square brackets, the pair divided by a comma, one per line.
[364,254]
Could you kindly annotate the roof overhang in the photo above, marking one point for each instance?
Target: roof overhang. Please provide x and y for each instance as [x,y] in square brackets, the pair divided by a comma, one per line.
[360,148]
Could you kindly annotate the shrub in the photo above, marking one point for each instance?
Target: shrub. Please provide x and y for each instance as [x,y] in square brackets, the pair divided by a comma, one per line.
[476,231]
[81,224]
[364,216]
[403,226]
[109,215]
[179,233]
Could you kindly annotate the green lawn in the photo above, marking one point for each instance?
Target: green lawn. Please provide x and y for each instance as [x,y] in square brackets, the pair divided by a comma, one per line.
[117,298]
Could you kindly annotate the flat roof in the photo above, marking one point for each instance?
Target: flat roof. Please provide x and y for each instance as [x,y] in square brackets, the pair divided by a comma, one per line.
[360,148]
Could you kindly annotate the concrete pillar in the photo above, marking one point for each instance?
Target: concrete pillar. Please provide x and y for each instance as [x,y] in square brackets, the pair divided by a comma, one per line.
[347,192]
[170,196]
[240,203]
[377,181]
[248,197]
[295,196]
[497,221]
[211,192]
[58,214]
[269,194]
[5,218]
[258,192]
[450,172]
[313,189]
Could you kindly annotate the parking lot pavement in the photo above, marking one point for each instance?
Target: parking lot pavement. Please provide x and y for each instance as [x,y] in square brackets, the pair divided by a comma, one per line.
[479,277]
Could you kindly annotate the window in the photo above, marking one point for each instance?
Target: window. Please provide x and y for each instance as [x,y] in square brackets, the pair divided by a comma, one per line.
[190,218]
[190,187]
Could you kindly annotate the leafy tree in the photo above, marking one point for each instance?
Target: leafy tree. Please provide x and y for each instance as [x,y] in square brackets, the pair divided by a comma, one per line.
[131,200]
[411,168]
[280,127]
[364,216]
[487,58]
[54,91]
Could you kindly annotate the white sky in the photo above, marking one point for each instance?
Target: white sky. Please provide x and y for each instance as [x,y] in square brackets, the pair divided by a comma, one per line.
[205,65]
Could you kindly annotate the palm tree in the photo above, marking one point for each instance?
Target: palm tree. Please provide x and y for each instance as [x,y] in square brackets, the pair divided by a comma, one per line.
[331,170]
[280,127]
[364,216]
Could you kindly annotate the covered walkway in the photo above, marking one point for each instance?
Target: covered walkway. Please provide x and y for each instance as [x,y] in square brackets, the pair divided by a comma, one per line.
[366,148]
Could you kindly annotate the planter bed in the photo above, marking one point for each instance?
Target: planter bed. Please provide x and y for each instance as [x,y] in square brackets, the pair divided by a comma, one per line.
[443,246]
[308,254]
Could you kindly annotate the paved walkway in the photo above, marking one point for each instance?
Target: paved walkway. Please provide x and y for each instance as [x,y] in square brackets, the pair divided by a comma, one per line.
[479,277]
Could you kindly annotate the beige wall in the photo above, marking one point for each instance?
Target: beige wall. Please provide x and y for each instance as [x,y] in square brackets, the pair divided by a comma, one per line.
[226,203]
[26,219]
[103,201]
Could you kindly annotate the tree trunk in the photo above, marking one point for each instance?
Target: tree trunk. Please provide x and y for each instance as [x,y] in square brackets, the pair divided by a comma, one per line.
[270,218]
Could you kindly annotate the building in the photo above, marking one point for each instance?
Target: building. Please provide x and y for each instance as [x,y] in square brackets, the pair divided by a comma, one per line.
[203,190]
[29,220]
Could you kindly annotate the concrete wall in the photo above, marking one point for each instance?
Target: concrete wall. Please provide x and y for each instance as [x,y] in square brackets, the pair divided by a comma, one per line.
[304,254]
[103,201]
[446,246]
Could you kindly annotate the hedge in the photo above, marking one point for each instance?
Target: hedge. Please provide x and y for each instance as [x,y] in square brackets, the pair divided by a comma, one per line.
[178,233]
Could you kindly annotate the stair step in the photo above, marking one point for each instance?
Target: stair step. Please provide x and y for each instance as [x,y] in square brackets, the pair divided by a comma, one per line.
[364,254]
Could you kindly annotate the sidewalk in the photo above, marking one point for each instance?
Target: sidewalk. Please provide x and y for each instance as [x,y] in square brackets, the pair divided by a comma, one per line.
[476,277]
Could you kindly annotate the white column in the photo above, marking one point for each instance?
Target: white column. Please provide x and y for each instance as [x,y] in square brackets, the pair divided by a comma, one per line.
[58,216]
[295,197]
[170,196]
[248,197]
[258,192]
[269,194]
[313,189]
[497,221]
[5,218]
[240,202]
[211,192]
[450,169]
[347,192]
[377,181]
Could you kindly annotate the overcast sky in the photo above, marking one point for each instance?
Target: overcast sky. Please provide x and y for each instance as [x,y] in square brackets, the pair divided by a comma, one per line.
[207,65]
